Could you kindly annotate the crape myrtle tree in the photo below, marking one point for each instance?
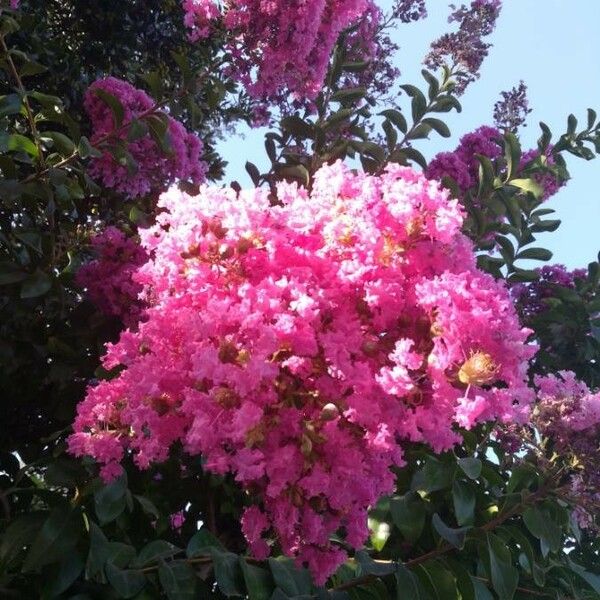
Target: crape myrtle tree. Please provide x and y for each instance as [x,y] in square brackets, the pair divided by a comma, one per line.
[345,381]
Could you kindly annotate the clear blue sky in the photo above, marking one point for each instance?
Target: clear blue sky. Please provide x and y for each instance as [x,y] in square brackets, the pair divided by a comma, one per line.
[553,46]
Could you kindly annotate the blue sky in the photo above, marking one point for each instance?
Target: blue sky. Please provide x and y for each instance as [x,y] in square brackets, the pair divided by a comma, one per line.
[553,46]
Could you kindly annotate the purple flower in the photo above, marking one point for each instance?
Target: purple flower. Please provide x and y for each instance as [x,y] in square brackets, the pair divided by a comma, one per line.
[510,112]
[464,50]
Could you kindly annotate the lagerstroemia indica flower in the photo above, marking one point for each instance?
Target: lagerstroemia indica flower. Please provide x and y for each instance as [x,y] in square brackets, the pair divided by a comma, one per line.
[277,47]
[154,168]
[297,347]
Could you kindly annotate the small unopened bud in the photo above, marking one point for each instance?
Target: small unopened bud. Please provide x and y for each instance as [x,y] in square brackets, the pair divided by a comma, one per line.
[330,412]
[228,352]
[244,244]
[479,369]
[306,446]
[226,397]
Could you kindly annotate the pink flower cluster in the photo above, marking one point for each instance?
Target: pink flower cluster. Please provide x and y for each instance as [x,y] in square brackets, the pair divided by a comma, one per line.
[108,279]
[568,414]
[298,346]
[277,46]
[462,165]
[153,168]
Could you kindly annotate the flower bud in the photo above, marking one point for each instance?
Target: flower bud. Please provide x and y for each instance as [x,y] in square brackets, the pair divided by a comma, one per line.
[479,369]
[330,412]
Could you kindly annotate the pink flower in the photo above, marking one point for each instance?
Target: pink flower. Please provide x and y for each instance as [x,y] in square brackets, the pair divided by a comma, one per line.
[297,346]
[152,168]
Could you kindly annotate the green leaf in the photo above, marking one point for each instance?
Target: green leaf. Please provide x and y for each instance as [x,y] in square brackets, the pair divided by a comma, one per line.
[114,104]
[110,500]
[292,580]
[68,571]
[127,583]
[456,537]
[463,498]
[19,534]
[512,154]
[368,566]
[541,525]
[435,475]
[228,572]
[86,150]
[470,466]
[153,552]
[408,585]
[98,552]
[535,254]
[396,117]
[18,143]
[440,579]
[545,225]
[528,185]
[55,539]
[147,506]
[253,171]
[11,273]
[446,104]
[159,130]
[503,574]
[35,285]
[592,579]
[349,95]
[259,584]
[46,100]
[137,130]
[438,126]
[202,543]
[297,173]
[481,590]
[418,103]
[408,514]
[62,143]
[178,580]
[10,105]
[297,127]
[391,135]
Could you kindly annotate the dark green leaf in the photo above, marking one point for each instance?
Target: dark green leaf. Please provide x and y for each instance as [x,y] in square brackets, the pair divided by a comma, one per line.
[36,284]
[178,580]
[259,584]
[110,500]
[408,585]
[228,572]
[438,126]
[470,466]
[153,552]
[349,95]
[127,583]
[289,578]
[297,127]
[10,105]
[85,149]
[456,537]
[114,104]
[396,117]
[535,254]
[463,497]
[68,571]
[542,526]
[503,574]
[408,514]
[55,539]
